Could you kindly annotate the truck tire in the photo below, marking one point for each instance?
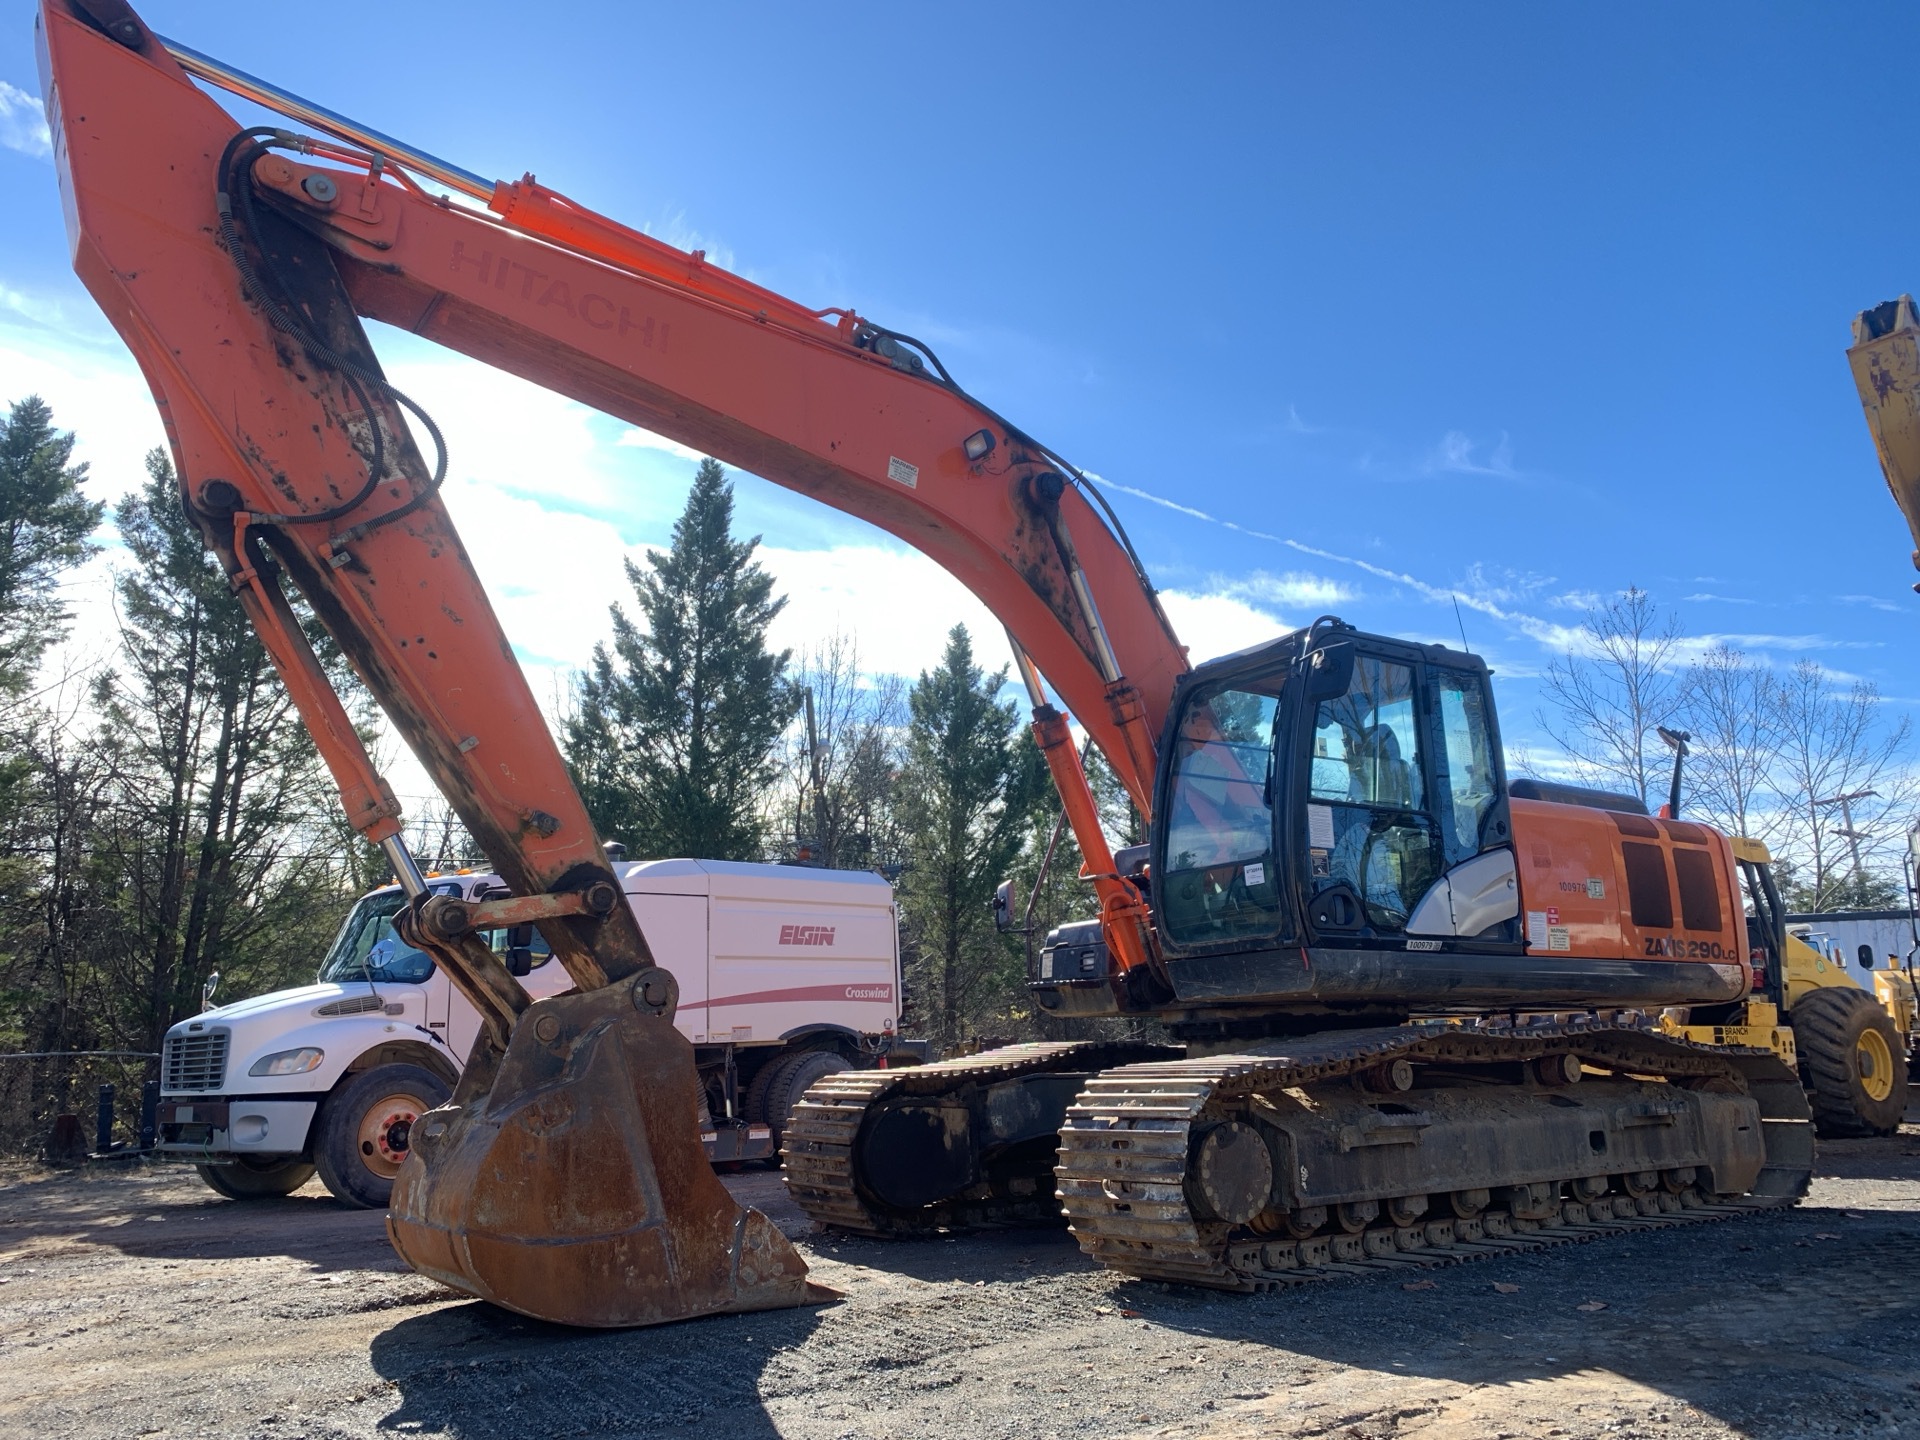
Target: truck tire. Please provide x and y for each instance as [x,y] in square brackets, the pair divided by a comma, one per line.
[788,1078]
[361,1136]
[263,1179]
[1851,1062]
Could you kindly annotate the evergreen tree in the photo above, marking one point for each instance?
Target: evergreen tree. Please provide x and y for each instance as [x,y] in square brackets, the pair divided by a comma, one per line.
[44,525]
[673,740]
[966,796]
[218,833]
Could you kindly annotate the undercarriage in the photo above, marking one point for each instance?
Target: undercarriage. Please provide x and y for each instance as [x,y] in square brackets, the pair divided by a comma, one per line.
[1291,1159]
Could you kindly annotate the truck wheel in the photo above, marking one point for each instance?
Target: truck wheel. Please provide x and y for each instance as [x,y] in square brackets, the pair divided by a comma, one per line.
[262,1179]
[1850,1059]
[792,1076]
[363,1129]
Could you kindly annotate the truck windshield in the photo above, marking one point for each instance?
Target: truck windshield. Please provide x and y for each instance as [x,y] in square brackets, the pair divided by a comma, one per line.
[367,948]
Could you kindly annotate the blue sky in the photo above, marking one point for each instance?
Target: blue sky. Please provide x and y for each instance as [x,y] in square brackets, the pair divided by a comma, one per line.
[1524,303]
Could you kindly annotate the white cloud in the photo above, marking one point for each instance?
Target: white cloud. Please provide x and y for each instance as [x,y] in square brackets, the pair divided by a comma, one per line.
[1576,600]
[893,600]
[1876,602]
[1297,589]
[23,123]
[95,392]
[633,437]
[1212,625]
[1455,455]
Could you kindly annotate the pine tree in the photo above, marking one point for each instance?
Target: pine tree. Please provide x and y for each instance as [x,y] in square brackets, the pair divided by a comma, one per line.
[218,831]
[44,525]
[966,796]
[673,740]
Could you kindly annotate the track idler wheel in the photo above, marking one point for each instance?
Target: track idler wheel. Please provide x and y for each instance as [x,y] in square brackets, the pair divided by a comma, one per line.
[574,1188]
[1232,1172]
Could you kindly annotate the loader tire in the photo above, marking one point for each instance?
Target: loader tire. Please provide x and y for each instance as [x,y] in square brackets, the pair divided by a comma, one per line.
[785,1081]
[362,1134]
[1851,1062]
[262,1179]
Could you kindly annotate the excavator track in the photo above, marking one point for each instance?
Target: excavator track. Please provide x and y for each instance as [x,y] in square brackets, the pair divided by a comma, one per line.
[1136,1139]
[822,1145]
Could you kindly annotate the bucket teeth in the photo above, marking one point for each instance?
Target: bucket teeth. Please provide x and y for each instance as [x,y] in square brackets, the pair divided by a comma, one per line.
[574,1188]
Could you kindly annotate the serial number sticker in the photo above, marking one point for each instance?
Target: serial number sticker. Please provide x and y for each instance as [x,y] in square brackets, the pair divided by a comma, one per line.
[1674,947]
[903,472]
[1557,938]
[1596,889]
[1256,873]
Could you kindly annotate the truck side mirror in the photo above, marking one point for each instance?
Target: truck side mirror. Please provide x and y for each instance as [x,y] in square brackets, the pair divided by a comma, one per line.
[519,935]
[519,960]
[1003,907]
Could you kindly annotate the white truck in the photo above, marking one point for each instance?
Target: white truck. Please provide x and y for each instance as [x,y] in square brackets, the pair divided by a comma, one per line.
[786,974]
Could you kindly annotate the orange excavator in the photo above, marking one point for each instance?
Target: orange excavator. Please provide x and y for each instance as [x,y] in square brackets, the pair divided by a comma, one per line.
[1411,1002]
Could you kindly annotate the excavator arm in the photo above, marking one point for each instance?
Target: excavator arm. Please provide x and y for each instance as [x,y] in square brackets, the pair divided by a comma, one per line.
[565,1179]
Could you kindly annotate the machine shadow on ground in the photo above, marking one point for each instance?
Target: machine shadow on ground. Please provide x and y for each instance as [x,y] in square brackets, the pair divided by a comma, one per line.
[96,1209]
[1781,1325]
[475,1372]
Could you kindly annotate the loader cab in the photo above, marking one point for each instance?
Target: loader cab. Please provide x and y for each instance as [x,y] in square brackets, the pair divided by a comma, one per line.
[1320,789]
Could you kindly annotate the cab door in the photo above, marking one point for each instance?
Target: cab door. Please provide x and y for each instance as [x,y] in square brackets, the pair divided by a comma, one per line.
[1372,847]
[1405,815]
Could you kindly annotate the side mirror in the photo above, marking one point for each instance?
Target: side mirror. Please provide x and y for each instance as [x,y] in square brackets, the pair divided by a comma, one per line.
[519,960]
[206,990]
[520,935]
[1003,907]
[1329,672]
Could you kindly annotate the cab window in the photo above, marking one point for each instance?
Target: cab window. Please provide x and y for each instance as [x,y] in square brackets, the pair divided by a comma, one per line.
[1368,825]
[1467,793]
[1219,880]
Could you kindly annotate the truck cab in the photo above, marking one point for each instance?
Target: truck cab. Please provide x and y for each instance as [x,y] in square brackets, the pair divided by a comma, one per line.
[786,974]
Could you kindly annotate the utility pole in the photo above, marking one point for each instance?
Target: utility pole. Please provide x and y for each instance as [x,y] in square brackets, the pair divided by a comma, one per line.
[1845,828]
[821,848]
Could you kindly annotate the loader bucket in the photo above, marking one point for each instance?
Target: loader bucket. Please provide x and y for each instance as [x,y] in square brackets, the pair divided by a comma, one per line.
[574,1188]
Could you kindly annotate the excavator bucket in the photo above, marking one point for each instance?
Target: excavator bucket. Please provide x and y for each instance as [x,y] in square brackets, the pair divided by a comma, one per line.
[566,1180]
[574,1187]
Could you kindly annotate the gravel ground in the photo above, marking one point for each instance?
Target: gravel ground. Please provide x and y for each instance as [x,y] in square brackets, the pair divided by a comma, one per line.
[139,1303]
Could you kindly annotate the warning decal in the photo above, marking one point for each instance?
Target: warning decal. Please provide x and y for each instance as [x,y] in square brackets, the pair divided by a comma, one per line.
[903,473]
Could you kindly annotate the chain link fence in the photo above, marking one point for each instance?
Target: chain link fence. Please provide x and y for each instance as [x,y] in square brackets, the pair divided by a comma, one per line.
[40,1087]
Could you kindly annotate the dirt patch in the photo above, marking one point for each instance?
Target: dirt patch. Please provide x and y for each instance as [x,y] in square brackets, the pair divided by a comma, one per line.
[139,1303]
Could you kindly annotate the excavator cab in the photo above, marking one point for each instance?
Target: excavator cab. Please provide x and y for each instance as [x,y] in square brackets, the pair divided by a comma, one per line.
[1320,789]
